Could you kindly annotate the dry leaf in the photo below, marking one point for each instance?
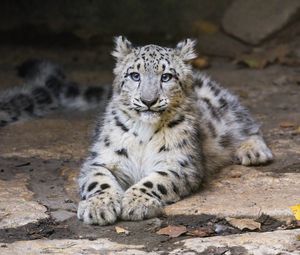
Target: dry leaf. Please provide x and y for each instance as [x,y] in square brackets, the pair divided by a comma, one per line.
[244,223]
[172,231]
[206,27]
[286,124]
[200,63]
[201,232]
[260,59]
[296,211]
[121,230]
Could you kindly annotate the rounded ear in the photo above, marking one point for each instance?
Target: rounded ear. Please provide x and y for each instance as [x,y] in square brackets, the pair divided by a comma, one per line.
[122,47]
[186,49]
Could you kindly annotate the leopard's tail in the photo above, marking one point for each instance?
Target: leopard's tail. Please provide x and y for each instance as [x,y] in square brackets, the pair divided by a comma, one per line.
[46,89]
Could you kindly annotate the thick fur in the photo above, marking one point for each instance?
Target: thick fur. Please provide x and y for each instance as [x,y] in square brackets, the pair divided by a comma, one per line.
[44,91]
[165,128]
[161,136]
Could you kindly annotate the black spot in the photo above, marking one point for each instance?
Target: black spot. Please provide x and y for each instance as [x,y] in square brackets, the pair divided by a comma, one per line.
[98,174]
[54,85]
[155,194]
[98,164]
[157,130]
[163,148]
[148,184]
[223,104]
[214,112]
[92,186]
[162,189]
[183,163]
[225,140]
[93,94]
[143,190]
[217,91]
[82,188]
[175,188]
[41,96]
[23,102]
[72,90]
[122,152]
[106,141]
[102,215]
[104,186]
[83,197]
[162,173]
[93,154]
[174,173]
[120,124]
[175,122]
[212,129]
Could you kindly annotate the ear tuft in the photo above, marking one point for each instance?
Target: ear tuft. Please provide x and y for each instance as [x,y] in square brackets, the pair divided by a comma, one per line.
[122,47]
[186,49]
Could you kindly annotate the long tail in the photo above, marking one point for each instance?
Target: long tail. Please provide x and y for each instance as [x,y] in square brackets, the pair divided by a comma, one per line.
[45,90]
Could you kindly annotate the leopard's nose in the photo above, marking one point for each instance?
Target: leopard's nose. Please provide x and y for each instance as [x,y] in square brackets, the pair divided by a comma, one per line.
[149,102]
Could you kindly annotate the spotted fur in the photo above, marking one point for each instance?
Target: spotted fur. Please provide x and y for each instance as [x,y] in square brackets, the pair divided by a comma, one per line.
[165,128]
[46,90]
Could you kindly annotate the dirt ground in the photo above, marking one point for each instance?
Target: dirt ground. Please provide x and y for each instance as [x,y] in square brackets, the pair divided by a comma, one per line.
[49,151]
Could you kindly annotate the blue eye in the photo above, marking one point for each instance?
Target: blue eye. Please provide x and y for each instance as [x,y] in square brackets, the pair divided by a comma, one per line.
[135,76]
[166,77]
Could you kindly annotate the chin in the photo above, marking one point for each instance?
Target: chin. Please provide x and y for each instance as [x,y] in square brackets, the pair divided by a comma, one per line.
[150,117]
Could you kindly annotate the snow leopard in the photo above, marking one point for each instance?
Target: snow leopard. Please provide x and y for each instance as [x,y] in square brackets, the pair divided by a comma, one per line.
[165,128]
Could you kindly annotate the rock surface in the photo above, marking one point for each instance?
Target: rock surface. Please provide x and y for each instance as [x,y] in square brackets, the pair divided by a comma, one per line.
[245,189]
[69,247]
[254,20]
[277,242]
[17,206]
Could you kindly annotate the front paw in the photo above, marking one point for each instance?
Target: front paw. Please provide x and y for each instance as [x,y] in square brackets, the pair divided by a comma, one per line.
[137,205]
[100,209]
[254,151]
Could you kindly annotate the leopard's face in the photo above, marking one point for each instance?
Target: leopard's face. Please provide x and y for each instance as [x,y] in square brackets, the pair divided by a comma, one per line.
[151,79]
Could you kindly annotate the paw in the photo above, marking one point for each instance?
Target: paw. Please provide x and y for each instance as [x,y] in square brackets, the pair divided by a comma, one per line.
[253,151]
[137,205]
[100,209]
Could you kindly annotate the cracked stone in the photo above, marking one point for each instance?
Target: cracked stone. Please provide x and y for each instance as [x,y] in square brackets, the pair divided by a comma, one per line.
[17,207]
[277,242]
[248,191]
[70,247]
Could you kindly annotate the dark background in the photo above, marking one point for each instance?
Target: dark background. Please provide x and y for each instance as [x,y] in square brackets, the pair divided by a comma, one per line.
[71,22]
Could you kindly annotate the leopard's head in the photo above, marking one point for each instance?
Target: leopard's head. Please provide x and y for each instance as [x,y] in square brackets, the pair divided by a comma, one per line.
[151,80]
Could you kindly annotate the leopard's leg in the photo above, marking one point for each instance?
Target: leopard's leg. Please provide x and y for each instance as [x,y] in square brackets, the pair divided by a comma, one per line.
[101,195]
[146,198]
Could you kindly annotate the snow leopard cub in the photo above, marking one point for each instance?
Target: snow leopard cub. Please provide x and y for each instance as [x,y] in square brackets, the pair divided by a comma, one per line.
[164,129]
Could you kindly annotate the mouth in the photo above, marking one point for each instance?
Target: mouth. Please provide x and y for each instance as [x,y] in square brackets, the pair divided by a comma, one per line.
[151,111]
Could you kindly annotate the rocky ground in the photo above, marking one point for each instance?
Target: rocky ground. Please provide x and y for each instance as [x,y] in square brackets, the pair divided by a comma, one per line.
[242,210]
